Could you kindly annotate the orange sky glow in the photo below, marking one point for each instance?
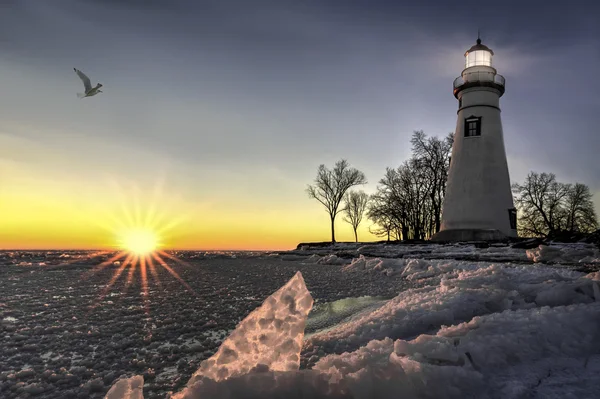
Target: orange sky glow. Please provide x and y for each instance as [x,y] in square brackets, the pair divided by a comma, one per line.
[95,216]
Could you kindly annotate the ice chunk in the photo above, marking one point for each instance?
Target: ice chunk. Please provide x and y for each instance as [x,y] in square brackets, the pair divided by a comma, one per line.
[127,388]
[567,253]
[544,253]
[268,339]
[388,266]
[332,260]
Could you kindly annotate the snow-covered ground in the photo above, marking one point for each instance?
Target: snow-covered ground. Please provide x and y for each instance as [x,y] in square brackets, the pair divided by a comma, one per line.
[492,322]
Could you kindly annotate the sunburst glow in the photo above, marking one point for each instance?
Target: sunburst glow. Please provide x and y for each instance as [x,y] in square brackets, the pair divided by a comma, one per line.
[139,235]
[139,241]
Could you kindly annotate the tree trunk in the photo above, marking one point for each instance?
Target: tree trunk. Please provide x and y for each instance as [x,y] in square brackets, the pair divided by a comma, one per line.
[333,229]
[436,211]
[355,235]
[572,225]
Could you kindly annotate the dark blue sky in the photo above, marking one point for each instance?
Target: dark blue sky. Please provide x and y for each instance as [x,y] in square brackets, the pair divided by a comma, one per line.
[245,98]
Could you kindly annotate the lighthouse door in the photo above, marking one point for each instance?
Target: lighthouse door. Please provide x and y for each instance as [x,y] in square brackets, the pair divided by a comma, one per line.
[512,217]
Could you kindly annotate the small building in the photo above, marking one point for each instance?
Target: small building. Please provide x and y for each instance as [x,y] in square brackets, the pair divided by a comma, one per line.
[478,204]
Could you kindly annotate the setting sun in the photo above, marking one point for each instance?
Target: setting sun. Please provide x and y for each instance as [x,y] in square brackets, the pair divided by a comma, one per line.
[139,242]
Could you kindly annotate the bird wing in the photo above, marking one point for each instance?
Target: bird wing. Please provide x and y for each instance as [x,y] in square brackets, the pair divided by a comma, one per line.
[86,81]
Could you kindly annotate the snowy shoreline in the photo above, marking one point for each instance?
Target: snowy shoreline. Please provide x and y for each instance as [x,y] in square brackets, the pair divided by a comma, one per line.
[582,256]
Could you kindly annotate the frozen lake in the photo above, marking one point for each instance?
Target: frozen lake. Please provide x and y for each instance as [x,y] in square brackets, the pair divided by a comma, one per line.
[52,344]
[411,321]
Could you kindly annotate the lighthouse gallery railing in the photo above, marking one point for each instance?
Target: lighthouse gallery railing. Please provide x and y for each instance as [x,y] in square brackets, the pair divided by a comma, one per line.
[479,77]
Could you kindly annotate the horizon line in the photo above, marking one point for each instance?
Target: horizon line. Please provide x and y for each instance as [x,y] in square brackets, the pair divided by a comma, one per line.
[188,249]
[121,250]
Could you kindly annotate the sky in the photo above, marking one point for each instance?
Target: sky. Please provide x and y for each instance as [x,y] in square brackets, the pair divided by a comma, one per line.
[216,114]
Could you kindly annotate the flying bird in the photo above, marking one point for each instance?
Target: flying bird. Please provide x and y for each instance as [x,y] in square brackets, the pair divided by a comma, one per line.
[89,90]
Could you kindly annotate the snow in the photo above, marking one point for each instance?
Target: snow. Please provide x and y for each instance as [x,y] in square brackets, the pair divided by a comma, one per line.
[555,253]
[506,323]
[565,253]
[331,260]
[127,388]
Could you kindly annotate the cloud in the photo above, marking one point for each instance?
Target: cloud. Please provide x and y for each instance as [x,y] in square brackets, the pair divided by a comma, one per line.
[291,83]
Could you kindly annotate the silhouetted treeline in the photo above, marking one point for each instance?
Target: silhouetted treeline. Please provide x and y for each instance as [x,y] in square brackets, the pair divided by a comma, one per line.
[408,201]
[548,208]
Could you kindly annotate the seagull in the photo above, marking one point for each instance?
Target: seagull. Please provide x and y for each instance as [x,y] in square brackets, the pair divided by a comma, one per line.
[89,90]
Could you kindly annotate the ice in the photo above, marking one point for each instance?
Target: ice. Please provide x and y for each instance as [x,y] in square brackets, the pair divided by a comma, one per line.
[534,353]
[332,260]
[329,314]
[268,339]
[375,265]
[501,355]
[127,388]
[565,253]
[553,253]
[484,329]
[457,291]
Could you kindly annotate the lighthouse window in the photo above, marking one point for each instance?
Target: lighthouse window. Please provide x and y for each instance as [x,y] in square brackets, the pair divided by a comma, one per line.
[472,126]
[478,57]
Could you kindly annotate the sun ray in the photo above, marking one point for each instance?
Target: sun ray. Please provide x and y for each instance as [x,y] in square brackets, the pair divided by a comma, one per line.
[132,268]
[162,229]
[154,273]
[112,281]
[173,272]
[122,202]
[72,261]
[103,265]
[117,224]
[145,284]
[128,217]
[174,259]
[137,207]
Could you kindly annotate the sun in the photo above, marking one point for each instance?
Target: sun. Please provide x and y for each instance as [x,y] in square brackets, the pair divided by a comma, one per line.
[139,237]
[140,242]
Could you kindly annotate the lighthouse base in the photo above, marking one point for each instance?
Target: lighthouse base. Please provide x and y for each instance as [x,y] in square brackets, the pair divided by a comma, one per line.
[462,235]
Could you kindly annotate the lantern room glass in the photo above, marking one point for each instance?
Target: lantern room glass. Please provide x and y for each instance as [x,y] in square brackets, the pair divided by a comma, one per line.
[478,57]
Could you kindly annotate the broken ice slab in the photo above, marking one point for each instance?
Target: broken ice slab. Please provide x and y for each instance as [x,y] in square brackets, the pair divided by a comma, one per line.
[269,338]
[127,388]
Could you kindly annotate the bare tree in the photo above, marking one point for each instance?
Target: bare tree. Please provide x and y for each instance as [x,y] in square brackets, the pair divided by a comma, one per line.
[538,201]
[548,207]
[409,198]
[387,208]
[381,212]
[579,209]
[355,206]
[434,154]
[331,185]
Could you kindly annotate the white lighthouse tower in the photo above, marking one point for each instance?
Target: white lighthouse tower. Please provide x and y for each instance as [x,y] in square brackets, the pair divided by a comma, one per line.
[478,204]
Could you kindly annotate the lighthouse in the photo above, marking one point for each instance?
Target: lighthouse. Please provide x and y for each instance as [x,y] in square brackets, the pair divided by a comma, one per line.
[478,205]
